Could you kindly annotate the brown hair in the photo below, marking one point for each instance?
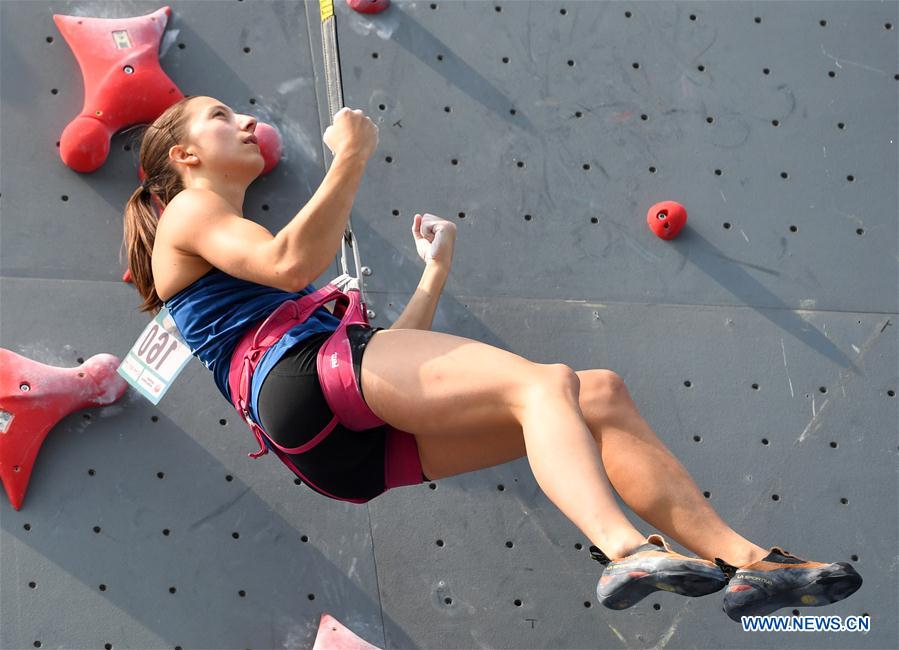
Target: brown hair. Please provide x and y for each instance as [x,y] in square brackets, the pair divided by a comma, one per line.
[163,183]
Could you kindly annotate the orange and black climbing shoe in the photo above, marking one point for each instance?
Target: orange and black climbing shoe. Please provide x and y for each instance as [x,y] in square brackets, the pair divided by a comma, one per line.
[783,580]
[653,567]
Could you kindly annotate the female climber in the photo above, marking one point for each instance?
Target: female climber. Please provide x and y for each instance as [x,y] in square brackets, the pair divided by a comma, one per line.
[462,404]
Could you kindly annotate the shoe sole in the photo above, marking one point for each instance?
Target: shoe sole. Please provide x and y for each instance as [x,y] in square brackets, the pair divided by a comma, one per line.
[698,581]
[823,590]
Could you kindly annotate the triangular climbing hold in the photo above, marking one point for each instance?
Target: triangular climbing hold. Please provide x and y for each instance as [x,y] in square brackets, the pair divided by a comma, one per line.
[34,397]
[123,81]
[332,635]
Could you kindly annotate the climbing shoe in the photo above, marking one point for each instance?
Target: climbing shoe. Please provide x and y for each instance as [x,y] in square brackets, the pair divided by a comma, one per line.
[653,566]
[783,580]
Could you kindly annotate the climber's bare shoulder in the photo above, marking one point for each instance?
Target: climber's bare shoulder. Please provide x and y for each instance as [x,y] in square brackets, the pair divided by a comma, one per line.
[175,267]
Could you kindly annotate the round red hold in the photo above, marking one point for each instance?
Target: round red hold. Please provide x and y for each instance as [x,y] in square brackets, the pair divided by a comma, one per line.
[269,141]
[368,6]
[666,219]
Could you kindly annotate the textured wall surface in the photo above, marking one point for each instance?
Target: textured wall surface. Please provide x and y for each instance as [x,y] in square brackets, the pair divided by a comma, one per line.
[761,345]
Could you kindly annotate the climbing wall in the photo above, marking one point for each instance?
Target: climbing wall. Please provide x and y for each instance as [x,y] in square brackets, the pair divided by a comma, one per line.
[760,345]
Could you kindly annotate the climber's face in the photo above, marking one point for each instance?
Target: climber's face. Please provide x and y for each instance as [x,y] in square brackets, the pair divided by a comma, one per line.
[220,143]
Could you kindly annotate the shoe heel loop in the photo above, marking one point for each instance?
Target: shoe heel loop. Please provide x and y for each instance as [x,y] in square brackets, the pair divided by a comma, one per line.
[658,540]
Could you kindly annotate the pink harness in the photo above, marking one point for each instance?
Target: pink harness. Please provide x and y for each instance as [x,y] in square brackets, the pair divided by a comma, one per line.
[336,375]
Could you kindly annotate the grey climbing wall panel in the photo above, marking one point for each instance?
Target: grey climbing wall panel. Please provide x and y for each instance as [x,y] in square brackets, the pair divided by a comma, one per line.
[760,345]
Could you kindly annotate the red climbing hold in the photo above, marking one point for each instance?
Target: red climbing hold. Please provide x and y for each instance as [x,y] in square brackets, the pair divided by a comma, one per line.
[34,397]
[666,219]
[334,636]
[269,142]
[125,85]
[368,6]
[123,81]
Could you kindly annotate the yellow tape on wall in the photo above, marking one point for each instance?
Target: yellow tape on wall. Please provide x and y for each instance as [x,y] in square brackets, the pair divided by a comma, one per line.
[326,7]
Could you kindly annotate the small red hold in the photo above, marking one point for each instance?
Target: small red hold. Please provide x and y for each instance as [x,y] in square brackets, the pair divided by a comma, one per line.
[269,141]
[666,219]
[368,6]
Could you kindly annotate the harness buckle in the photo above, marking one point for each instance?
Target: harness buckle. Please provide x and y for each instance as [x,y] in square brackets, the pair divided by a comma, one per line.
[256,429]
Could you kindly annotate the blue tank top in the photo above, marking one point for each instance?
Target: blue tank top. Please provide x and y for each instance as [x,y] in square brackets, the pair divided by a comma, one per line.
[214,312]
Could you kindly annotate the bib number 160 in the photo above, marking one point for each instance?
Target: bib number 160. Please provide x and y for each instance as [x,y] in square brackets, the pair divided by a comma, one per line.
[156,358]
[150,351]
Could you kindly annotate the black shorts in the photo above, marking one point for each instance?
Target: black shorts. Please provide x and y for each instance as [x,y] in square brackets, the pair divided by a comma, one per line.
[293,410]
